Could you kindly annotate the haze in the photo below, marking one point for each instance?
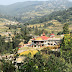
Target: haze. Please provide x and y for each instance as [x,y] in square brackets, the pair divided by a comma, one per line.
[8,2]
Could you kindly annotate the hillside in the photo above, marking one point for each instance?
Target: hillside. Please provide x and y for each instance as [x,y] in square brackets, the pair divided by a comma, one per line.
[27,11]
[64,16]
[55,21]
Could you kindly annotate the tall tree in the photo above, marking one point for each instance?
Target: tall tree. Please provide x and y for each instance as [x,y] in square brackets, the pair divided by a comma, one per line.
[66,29]
[36,31]
[66,48]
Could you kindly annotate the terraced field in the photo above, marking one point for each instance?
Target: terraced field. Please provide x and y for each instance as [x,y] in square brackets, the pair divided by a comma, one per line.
[56,27]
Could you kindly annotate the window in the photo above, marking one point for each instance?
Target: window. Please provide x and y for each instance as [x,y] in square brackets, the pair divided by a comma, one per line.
[54,44]
[42,44]
[51,44]
[48,43]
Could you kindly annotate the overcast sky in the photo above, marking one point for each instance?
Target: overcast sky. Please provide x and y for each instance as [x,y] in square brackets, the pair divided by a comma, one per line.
[7,2]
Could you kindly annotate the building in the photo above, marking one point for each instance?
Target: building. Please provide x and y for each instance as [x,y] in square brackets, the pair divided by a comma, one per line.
[52,35]
[45,41]
[42,41]
[39,41]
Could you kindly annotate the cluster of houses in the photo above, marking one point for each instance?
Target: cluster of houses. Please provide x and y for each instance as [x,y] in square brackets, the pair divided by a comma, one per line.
[43,41]
[10,22]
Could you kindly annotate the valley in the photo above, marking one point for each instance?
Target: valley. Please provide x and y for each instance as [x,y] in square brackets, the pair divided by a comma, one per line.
[36,36]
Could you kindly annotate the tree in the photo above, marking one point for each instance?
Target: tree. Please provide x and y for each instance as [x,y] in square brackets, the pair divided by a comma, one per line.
[33,27]
[45,26]
[15,43]
[66,48]
[7,66]
[36,31]
[39,63]
[65,29]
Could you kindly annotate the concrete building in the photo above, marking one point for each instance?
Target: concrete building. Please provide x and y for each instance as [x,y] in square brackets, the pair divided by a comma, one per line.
[45,41]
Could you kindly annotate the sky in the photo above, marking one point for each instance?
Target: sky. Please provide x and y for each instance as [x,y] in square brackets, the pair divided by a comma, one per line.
[8,2]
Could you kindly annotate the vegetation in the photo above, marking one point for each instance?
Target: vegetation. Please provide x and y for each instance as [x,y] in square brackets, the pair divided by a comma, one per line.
[65,29]
[28,11]
[35,60]
[66,48]
[7,66]
[61,16]
[47,61]
[6,47]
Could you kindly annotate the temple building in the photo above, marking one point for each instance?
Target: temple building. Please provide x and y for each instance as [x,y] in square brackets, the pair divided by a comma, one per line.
[39,41]
[45,41]
[42,41]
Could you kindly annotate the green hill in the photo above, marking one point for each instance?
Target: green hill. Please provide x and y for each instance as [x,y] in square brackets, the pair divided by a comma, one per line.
[27,11]
[55,21]
[64,16]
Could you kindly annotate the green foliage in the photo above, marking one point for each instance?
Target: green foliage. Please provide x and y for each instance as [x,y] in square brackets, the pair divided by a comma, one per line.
[7,66]
[61,16]
[40,31]
[66,48]
[11,26]
[27,11]
[66,29]
[36,31]
[6,47]
[24,33]
[60,33]
[42,64]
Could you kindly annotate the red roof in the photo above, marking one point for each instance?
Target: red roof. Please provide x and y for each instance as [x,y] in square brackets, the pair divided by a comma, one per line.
[51,34]
[33,39]
[44,37]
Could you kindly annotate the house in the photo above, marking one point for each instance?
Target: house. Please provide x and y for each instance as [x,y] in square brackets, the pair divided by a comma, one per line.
[42,41]
[39,41]
[45,41]
[54,41]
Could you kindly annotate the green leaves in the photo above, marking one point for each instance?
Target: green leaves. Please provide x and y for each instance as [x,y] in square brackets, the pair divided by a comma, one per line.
[66,29]
[41,64]
[7,66]
[66,48]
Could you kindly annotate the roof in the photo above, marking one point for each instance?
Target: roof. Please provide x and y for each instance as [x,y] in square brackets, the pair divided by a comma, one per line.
[41,38]
[21,43]
[54,39]
[38,38]
[51,34]
[33,39]
[44,37]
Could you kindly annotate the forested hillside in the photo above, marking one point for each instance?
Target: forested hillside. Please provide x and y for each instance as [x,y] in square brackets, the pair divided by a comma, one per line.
[61,16]
[27,11]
